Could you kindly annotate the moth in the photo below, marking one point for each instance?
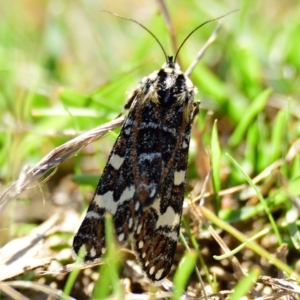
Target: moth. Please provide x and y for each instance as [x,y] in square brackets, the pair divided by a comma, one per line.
[143,182]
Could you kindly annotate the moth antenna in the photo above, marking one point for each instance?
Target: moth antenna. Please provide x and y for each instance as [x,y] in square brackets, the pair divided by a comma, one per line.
[176,55]
[132,20]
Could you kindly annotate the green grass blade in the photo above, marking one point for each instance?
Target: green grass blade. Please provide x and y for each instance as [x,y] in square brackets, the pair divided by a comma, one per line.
[255,108]
[245,284]
[260,197]
[277,136]
[216,161]
[183,273]
[108,280]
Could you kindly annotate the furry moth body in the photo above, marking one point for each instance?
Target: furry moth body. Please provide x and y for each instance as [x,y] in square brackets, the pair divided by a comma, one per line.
[143,182]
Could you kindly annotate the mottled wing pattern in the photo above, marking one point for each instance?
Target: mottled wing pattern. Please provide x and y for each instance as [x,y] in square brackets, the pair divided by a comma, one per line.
[143,183]
[119,192]
[156,234]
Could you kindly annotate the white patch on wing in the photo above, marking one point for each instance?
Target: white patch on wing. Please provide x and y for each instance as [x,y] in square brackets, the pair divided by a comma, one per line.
[92,214]
[130,222]
[107,201]
[184,144]
[121,237]
[141,244]
[116,161]
[137,205]
[156,205]
[158,274]
[179,177]
[151,271]
[127,194]
[169,218]
[153,191]
[93,252]
[139,228]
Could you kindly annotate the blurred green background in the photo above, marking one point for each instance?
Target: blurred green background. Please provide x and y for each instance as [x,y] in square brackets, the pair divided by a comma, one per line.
[66,65]
[65,68]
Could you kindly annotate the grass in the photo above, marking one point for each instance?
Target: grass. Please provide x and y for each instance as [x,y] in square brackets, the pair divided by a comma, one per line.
[66,68]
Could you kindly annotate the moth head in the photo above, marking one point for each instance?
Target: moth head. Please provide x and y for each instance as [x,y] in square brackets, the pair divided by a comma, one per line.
[170,63]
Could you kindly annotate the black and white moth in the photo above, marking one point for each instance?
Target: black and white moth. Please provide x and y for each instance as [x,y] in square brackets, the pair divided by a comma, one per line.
[143,182]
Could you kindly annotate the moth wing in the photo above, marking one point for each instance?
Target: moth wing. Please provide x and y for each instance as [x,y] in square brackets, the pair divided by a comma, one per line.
[157,229]
[128,183]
